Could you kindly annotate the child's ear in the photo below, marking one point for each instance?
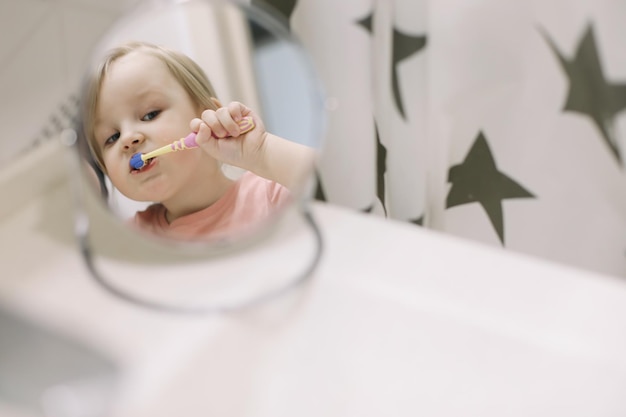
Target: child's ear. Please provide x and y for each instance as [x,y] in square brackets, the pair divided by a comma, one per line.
[217,103]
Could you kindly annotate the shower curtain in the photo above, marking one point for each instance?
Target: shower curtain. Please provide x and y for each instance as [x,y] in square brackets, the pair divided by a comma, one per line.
[500,121]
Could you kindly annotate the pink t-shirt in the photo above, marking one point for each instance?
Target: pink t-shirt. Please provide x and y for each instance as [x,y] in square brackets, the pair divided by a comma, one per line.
[245,205]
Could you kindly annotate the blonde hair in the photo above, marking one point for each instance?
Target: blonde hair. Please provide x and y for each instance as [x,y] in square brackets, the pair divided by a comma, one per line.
[184,69]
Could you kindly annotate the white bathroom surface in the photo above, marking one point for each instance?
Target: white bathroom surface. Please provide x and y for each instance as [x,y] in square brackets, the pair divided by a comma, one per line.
[396,321]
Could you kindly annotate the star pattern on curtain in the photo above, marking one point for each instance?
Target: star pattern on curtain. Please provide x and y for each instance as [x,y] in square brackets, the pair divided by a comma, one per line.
[478,180]
[381,169]
[366,22]
[590,93]
[284,7]
[403,47]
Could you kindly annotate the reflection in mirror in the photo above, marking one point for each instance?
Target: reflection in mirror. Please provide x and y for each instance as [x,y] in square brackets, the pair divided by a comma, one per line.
[198,70]
[200,126]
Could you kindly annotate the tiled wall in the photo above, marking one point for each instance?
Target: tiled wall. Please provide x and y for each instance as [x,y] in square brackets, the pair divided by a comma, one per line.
[43,50]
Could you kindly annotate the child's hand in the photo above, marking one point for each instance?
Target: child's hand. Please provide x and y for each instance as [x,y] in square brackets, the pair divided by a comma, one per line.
[220,136]
[267,155]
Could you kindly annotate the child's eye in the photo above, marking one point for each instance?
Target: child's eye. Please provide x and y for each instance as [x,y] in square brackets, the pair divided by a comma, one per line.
[112,139]
[151,115]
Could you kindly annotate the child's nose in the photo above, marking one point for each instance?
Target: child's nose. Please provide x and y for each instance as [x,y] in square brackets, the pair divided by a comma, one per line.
[132,140]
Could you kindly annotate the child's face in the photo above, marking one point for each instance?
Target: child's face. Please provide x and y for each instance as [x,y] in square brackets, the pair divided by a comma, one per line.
[142,107]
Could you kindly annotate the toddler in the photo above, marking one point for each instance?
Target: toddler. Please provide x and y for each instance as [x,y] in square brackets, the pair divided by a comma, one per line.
[144,96]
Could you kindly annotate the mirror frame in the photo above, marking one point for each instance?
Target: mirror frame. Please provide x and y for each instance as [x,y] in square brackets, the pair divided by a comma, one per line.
[198,250]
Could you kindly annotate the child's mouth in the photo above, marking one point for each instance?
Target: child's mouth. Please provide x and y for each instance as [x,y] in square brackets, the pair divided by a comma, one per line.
[147,165]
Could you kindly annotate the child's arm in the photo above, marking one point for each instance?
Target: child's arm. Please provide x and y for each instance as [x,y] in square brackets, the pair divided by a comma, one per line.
[285,162]
[258,151]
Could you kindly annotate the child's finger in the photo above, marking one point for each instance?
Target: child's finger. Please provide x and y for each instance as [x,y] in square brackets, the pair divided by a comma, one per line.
[194,125]
[210,118]
[204,134]
[237,110]
[226,120]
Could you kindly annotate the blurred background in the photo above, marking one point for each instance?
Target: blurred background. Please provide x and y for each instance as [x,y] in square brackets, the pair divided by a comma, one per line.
[39,77]
[427,101]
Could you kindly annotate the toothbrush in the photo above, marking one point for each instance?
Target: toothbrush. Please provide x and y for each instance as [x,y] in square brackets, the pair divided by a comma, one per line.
[138,160]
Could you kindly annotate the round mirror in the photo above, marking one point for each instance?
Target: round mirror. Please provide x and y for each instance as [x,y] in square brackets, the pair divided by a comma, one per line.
[201,121]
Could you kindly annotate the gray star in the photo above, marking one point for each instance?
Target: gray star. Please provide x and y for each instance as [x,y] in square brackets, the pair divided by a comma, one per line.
[320,195]
[419,221]
[404,46]
[366,22]
[381,168]
[589,91]
[477,179]
[284,7]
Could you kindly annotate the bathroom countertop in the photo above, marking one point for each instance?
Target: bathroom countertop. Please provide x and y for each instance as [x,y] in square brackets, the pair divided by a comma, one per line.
[396,321]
